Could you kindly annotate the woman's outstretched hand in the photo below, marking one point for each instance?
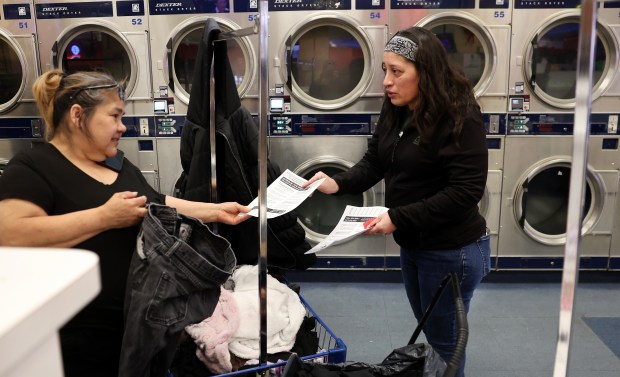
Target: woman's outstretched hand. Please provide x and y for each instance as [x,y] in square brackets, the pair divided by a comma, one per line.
[232,213]
[329,186]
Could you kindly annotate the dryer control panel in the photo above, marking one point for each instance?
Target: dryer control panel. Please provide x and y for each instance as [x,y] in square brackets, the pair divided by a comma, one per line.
[322,124]
[559,124]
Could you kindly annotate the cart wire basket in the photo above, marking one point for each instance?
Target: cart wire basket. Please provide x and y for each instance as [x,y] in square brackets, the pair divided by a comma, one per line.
[413,360]
[331,349]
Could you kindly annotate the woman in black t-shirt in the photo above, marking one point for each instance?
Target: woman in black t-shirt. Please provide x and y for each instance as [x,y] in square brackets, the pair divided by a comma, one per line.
[77,190]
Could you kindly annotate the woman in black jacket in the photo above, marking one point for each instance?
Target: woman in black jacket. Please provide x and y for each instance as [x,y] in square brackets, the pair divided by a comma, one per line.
[430,147]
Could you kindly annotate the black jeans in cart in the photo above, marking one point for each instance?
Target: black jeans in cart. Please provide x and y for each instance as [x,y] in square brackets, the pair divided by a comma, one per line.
[174,280]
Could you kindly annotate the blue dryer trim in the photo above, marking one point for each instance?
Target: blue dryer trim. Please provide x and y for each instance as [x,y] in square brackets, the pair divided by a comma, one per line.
[614,263]
[494,4]
[308,5]
[350,262]
[529,4]
[133,126]
[84,9]
[368,4]
[243,6]
[17,11]
[169,126]
[129,8]
[499,263]
[444,4]
[549,263]
[21,128]
[554,124]
[501,127]
[167,7]
[159,126]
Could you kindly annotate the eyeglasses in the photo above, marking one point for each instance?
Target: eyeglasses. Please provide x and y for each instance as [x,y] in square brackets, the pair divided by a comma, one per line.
[121,90]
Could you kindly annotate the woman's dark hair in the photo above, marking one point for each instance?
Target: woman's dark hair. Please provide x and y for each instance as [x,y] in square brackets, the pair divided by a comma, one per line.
[55,92]
[443,88]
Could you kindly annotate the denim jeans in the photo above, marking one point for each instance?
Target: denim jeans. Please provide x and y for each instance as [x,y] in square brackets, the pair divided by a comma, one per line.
[174,280]
[423,271]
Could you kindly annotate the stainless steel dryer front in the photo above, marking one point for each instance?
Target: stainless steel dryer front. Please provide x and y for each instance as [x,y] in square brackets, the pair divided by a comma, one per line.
[177,32]
[19,60]
[109,36]
[537,171]
[20,124]
[325,56]
[543,58]
[175,41]
[331,143]
[476,35]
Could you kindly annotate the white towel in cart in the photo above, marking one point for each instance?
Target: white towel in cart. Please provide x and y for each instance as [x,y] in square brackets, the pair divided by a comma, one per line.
[285,313]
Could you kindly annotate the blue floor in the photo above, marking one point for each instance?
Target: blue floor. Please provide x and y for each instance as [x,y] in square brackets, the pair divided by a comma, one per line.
[513,320]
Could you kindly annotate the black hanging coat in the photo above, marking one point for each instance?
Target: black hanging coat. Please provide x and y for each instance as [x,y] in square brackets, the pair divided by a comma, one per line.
[237,161]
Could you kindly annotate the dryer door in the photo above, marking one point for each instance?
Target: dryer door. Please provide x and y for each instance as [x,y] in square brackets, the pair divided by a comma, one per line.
[98,47]
[17,69]
[550,61]
[330,62]
[184,47]
[541,201]
[478,50]
[320,213]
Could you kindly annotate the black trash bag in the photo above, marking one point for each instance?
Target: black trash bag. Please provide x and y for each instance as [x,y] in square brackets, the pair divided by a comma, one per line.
[413,360]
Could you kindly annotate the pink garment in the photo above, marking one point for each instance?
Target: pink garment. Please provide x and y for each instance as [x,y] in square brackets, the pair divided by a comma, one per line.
[212,334]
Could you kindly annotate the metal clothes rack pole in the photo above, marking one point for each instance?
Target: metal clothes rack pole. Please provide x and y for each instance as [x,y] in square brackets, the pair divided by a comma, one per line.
[583,96]
[263,94]
[263,8]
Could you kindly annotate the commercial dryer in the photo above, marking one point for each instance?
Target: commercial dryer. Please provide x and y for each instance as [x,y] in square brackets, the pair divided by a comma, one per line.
[19,68]
[537,169]
[174,46]
[325,56]
[331,143]
[543,58]
[110,36]
[175,39]
[476,35]
[19,60]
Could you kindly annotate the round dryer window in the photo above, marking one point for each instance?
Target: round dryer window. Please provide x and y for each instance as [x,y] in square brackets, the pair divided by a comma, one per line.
[185,53]
[11,74]
[99,49]
[320,213]
[468,45]
[551,69]
[541,203]
[329,64]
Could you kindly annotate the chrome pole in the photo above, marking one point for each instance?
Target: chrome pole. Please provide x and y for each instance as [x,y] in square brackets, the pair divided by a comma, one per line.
[262,174]
[214,198]
[581,133]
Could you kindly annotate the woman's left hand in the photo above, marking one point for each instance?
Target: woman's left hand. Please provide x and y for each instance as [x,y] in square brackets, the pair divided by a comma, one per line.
[381,224]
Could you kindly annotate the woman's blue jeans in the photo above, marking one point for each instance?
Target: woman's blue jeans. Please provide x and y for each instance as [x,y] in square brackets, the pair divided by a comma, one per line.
[423,271]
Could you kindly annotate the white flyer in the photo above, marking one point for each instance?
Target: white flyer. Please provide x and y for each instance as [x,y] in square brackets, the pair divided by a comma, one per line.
[285,194]
[350,225]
